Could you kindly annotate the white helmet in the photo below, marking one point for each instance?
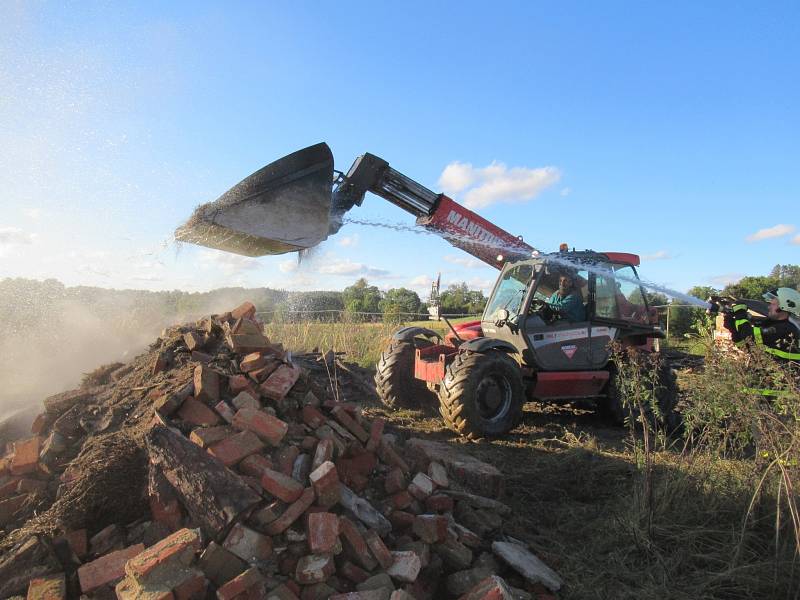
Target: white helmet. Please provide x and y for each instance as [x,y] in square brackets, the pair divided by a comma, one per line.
[788,299]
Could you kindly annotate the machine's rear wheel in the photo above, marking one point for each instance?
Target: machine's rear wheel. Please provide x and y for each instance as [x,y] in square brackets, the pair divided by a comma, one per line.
[482,394]
[394,376]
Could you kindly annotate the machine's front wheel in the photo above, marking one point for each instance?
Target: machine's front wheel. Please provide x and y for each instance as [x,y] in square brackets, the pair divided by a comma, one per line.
[482,394]
[394,376]
[618,409]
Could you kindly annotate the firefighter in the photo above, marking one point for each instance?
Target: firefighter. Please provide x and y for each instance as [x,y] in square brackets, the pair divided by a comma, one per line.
[779,334]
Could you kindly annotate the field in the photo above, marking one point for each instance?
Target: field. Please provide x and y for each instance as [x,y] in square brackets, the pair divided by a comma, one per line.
[621,514]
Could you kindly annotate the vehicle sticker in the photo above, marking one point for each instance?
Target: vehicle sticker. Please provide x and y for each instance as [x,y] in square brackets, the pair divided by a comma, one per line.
[569,350]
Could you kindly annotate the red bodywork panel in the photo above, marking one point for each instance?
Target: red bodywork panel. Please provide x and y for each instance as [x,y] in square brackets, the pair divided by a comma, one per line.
[466,331]
[568,384]
[489,239]
[625,258]
[431,362]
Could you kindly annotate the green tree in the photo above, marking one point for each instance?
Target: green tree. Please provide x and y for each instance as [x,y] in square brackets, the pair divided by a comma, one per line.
[361,298]
[399,300]
[787,275]
[752,286]
[459,299]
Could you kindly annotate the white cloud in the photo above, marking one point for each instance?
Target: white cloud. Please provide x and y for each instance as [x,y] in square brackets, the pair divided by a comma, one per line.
[12,236]
[481,283]
[33,213]
[465,261]
[346,267]
[495,183]
[660,255]
[796,240]
[288,266]
[229,263]
[726,278]
[421,281]
[771,232]
[348,241]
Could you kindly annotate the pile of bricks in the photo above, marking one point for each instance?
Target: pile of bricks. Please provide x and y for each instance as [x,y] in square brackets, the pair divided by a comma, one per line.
[260,486]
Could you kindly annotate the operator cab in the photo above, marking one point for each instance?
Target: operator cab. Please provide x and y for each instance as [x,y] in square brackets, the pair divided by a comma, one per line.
[605,286]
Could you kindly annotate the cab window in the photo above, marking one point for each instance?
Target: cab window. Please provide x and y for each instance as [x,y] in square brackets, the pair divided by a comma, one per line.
[618,295]
[510,291]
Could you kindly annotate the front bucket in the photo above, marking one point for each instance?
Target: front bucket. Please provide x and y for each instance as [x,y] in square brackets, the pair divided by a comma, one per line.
[283,207]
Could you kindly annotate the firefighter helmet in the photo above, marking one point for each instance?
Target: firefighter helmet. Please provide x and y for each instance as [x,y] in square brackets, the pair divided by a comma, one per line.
[788,299]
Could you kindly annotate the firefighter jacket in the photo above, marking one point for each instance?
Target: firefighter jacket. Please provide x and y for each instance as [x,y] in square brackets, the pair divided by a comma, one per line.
[780,339]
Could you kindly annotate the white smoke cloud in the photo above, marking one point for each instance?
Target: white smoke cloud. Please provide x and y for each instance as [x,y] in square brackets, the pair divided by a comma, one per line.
[771,232]
[349,241]
[495,183]
[13,236]
[344,266]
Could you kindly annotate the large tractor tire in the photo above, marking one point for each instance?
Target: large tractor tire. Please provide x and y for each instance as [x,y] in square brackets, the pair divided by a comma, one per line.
[614,406]
[394,376]
[482,394]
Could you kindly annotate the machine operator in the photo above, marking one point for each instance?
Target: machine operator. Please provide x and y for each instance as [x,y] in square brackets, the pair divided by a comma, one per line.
[566,301]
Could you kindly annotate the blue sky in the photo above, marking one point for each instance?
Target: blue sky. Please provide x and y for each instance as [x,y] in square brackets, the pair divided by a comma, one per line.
[670,130]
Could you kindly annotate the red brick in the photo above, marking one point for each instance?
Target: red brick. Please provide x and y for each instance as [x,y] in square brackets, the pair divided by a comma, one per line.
[341,415]
[248,544]
[195,412]
[325,481]
[323,453]
[49,587]
[208,436]
[281,486]
[237,447]
[160,364]
[491,588]
[406,566]
[176,549]
[224,410]
[378,549]
[312,417]
[106,569]
[353,572]
[280,382]
[375,434]
[239,586]
[354,544]
[255,464]
[166,509]
[309,443]
[390,456]
[285,457]
[401,500]
[200,357]
[238,383]
[395,481]
[26,455]
[39,423]
[431,529]
[270,429]
[291,514]
[245,400]
[194,587]
[254,361]
[439,503]
[314,568]
[206,384]
[401,519]
[78,541]
[266,515]
[261,375]
[246,310]
[438,474]
[193,341]
[421,486]
[322,532]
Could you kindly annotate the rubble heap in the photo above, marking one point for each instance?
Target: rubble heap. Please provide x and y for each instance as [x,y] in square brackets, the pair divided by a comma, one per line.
[218,465]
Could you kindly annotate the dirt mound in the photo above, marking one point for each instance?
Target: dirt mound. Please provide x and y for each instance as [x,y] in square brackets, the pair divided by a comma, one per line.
[217,461]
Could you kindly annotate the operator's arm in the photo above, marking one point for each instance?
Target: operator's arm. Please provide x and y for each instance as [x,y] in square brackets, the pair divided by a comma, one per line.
[778,338]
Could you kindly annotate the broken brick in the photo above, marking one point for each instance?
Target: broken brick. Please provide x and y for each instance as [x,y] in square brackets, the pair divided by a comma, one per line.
[237,447]
[245,400]
[270,429]
[193,341]
[430,528]
[280,382]
[322,532]
[178,548]
[220,565]
[375,434]
[49,587]
[353,572]
[292,513]
[208,436]
[341,415]
[312,417]
[224,410]
[354,544]
[325,481]
[439,503]
[255,465]
[285,457]
[491,588]
[322,453]
[406,566]
[421,486]
[245,586]
[248,544]
[279,485]
[26,456]
[206,384]
[197,413]
[106,569]
[314,568]
[378,549]
[246,310]
[395,481]
[237,384]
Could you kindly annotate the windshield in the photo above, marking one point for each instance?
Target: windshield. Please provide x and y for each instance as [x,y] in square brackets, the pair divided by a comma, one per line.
[510,291]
